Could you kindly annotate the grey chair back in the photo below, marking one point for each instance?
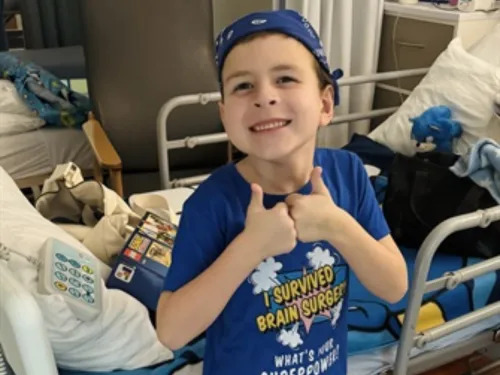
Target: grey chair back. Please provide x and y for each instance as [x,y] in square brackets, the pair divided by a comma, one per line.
[53,35]
[51,23]
[139,55]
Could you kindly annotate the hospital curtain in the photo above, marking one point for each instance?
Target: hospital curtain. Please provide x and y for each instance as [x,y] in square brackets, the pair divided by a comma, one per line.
[350,31]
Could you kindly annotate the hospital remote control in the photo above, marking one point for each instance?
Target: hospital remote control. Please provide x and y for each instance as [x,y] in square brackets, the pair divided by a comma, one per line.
[73,274]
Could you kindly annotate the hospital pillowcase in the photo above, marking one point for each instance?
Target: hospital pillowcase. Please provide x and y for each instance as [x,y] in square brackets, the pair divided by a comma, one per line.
[458,80]
[487,49]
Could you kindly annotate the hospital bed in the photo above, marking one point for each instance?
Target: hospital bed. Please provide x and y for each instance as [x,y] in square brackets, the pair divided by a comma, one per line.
[31,157]
[417,350]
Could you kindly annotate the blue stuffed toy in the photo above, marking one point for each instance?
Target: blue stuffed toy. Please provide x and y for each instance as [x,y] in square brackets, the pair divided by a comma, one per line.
[435,130]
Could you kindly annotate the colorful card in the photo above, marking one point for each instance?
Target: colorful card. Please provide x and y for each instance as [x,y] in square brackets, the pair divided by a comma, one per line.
[145,259]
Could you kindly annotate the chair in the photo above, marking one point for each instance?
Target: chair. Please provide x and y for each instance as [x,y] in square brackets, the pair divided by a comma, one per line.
[3,33]
[53,36]
[139,54]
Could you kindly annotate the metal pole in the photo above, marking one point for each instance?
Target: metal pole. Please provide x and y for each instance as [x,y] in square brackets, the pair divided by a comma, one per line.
[222,137]
[377,77]
[161,127]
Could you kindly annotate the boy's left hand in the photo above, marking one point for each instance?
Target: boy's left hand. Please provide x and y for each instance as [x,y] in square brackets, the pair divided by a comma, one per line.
[315,215]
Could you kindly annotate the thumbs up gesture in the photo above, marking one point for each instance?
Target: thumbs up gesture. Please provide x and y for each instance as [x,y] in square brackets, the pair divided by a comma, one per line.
[272,231]
[314,214]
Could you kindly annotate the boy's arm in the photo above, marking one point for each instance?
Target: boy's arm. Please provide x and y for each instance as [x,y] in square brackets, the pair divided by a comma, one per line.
[366,244]
[378,264]
[189,311]
[204,275]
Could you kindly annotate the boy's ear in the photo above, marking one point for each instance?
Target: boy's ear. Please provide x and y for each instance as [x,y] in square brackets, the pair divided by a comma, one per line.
[327,106]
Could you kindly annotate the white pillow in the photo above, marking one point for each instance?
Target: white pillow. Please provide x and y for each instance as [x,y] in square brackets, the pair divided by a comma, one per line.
[15,115]
[122,337]
[458,80]
[488,47]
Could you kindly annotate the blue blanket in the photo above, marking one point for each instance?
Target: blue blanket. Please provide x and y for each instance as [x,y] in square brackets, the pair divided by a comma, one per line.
[44,93]
[373,323]
[482,165]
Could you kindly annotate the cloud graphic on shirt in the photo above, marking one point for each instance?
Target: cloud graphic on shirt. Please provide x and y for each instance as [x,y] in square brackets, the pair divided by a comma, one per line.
[265,276]
[337,309]
[290,338]
[319,257]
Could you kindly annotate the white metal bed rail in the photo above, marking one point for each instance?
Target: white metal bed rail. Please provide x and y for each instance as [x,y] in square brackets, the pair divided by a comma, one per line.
[164,145]
[420,285]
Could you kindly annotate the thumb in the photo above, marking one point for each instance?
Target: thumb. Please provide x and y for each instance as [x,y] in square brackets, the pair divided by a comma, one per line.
[256,199]
[318,186]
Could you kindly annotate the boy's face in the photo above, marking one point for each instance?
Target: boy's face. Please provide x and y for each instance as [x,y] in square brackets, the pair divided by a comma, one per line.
[272,104]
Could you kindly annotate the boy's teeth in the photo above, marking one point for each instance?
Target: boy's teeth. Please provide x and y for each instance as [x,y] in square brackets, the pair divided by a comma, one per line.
[269,126]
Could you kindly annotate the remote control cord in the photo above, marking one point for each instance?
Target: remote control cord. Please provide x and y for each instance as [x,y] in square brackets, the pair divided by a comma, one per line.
[5,255]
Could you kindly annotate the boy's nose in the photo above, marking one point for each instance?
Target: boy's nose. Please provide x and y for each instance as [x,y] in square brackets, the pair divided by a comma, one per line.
[261,103]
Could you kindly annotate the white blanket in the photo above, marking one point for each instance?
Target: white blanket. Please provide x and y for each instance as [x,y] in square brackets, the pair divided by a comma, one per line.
[91,212]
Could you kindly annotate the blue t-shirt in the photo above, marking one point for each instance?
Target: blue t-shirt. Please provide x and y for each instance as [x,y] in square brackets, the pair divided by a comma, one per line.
[289,316]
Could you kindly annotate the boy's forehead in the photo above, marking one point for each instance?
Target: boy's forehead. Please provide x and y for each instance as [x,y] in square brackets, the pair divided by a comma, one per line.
[278,50]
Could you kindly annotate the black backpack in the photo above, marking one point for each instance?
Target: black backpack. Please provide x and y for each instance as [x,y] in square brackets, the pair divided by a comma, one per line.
[422,192]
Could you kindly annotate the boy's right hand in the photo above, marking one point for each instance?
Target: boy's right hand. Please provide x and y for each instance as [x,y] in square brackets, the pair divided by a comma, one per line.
[272,231]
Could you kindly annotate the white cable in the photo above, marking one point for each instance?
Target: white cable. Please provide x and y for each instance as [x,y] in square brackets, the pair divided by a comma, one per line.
[3,364]
[5,255]
[4,252]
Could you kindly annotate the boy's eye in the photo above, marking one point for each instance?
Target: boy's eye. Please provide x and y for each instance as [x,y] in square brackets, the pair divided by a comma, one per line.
[242,86]
[286,79]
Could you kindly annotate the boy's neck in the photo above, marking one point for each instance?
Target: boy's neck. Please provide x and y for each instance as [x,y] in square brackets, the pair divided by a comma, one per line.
[280,177]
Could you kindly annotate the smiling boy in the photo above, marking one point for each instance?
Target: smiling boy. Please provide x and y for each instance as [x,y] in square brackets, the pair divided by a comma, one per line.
[262,254]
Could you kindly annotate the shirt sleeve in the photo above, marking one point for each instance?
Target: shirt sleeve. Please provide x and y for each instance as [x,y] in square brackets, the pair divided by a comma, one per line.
[369,215]
[198,242]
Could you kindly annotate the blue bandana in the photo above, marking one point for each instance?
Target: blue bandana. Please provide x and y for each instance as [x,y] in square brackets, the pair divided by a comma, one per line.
[285,21]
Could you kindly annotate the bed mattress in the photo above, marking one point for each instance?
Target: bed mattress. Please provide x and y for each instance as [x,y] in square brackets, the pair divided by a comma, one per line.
[38,152]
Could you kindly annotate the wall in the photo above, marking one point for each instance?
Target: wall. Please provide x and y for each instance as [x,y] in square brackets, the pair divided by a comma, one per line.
[226,11]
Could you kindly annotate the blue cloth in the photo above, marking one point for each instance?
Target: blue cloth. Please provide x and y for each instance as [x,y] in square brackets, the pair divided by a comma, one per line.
[287,22]
[380,186]
[482,165]
[374,323]
[44,93]
[371,152]
[262,329]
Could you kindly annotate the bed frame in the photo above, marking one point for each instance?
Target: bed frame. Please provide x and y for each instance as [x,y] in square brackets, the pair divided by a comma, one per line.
[410,339]
[18,302]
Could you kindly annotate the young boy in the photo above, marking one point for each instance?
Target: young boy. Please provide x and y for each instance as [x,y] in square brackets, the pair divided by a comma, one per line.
[261,257]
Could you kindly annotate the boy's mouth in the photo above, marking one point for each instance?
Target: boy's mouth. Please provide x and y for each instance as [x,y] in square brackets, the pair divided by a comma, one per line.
[269,125]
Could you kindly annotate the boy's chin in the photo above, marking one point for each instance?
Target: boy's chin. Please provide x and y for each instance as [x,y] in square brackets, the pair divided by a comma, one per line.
[273,154]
